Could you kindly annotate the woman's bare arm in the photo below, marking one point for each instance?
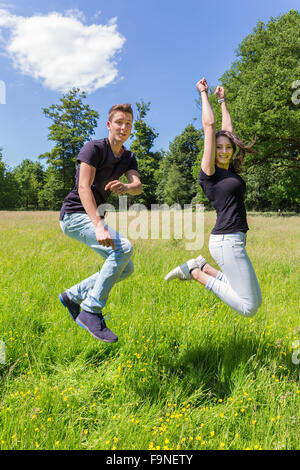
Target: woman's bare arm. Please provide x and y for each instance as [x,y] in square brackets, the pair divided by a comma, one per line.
[226,118]
[209,127]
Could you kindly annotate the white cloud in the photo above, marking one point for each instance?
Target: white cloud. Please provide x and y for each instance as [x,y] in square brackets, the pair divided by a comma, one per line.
[62,51]
[75,13]
[97,14]
[7,5]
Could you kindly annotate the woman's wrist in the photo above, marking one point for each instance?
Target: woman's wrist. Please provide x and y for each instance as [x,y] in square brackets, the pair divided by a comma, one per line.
[204,94]
[222,100]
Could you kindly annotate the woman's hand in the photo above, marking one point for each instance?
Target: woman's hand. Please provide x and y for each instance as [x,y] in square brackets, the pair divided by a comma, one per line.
[202,85]
[220,92]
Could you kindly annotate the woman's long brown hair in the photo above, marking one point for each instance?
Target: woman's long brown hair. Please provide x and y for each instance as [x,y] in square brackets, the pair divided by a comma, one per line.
[237,160]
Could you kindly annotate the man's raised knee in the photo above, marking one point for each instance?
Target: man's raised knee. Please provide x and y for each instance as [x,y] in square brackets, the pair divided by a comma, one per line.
[126,248]
[129,269]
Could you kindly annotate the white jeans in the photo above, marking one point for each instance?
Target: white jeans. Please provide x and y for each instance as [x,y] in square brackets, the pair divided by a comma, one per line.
[236,284]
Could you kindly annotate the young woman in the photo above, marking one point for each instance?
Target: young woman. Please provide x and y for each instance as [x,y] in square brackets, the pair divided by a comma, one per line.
[236,283]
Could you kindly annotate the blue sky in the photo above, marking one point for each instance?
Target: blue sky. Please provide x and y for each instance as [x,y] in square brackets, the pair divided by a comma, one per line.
[119,51]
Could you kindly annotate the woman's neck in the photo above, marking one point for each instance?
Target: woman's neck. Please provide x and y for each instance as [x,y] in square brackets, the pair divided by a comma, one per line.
[224,167]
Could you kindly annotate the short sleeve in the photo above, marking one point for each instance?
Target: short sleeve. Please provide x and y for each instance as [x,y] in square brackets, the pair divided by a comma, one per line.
[88,154]
[204,177]
[132,164]
[207,183]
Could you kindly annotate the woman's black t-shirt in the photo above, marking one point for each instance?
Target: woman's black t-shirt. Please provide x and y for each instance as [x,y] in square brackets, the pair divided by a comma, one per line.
[225,190]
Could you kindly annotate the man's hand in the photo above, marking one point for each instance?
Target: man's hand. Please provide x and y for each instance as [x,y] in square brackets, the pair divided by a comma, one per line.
[202,85]
[220,92]
[116,187]
[103,236]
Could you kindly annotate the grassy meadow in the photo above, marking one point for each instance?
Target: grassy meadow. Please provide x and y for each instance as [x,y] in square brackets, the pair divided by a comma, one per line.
[186,373]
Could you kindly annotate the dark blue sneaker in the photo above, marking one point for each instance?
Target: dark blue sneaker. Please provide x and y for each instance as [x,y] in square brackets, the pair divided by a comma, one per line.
[95,324]
[73,308]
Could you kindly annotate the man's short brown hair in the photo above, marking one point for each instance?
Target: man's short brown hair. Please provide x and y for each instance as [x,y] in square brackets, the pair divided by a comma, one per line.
[125,107]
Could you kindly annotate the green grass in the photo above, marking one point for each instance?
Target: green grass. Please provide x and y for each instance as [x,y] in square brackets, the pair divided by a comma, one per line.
[186,373]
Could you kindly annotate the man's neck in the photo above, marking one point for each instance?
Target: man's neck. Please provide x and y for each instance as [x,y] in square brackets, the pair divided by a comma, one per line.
[117,147]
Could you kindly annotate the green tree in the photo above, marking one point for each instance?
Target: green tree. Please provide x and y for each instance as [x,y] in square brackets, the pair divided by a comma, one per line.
[180,160]
[9,190]
[2,168]
[30,177]
[174,192]
[148,162]
[52,193]
[2,181]
[259,88]
[73,124]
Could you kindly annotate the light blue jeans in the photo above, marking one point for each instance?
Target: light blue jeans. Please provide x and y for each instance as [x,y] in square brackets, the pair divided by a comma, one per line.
[93,292]
[236,284]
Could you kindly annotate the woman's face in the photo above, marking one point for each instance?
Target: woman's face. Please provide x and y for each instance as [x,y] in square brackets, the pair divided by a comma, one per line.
[224,152]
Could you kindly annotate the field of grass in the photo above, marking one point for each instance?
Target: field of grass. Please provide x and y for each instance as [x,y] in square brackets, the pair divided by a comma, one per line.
[186,373]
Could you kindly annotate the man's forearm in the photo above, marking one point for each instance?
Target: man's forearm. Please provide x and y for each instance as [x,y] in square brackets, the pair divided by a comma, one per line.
[88,201]
[134,189]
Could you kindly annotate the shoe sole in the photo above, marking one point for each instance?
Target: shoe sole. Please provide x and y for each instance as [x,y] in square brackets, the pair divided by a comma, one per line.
[174,275]
[86,328]
[74,319]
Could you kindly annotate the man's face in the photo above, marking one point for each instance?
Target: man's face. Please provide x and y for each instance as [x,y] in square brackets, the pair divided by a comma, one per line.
[120,126]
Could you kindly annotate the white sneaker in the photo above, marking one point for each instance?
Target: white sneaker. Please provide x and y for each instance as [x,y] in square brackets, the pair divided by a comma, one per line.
[182,272]
[200,261]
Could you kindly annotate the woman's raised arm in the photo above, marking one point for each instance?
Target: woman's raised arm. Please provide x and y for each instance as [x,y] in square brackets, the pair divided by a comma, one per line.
[226,118]
[209,127]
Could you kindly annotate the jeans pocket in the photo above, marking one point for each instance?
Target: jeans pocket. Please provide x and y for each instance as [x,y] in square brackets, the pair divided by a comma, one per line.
[65,222]
[238,248]
[235,242]
[238,243]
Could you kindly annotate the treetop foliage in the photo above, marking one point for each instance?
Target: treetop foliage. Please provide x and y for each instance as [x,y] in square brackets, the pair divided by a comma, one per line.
[261,86]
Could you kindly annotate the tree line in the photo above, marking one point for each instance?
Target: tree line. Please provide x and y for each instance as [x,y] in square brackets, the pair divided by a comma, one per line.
[259,88]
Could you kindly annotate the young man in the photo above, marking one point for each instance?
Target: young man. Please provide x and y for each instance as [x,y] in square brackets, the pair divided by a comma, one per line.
[101,163]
